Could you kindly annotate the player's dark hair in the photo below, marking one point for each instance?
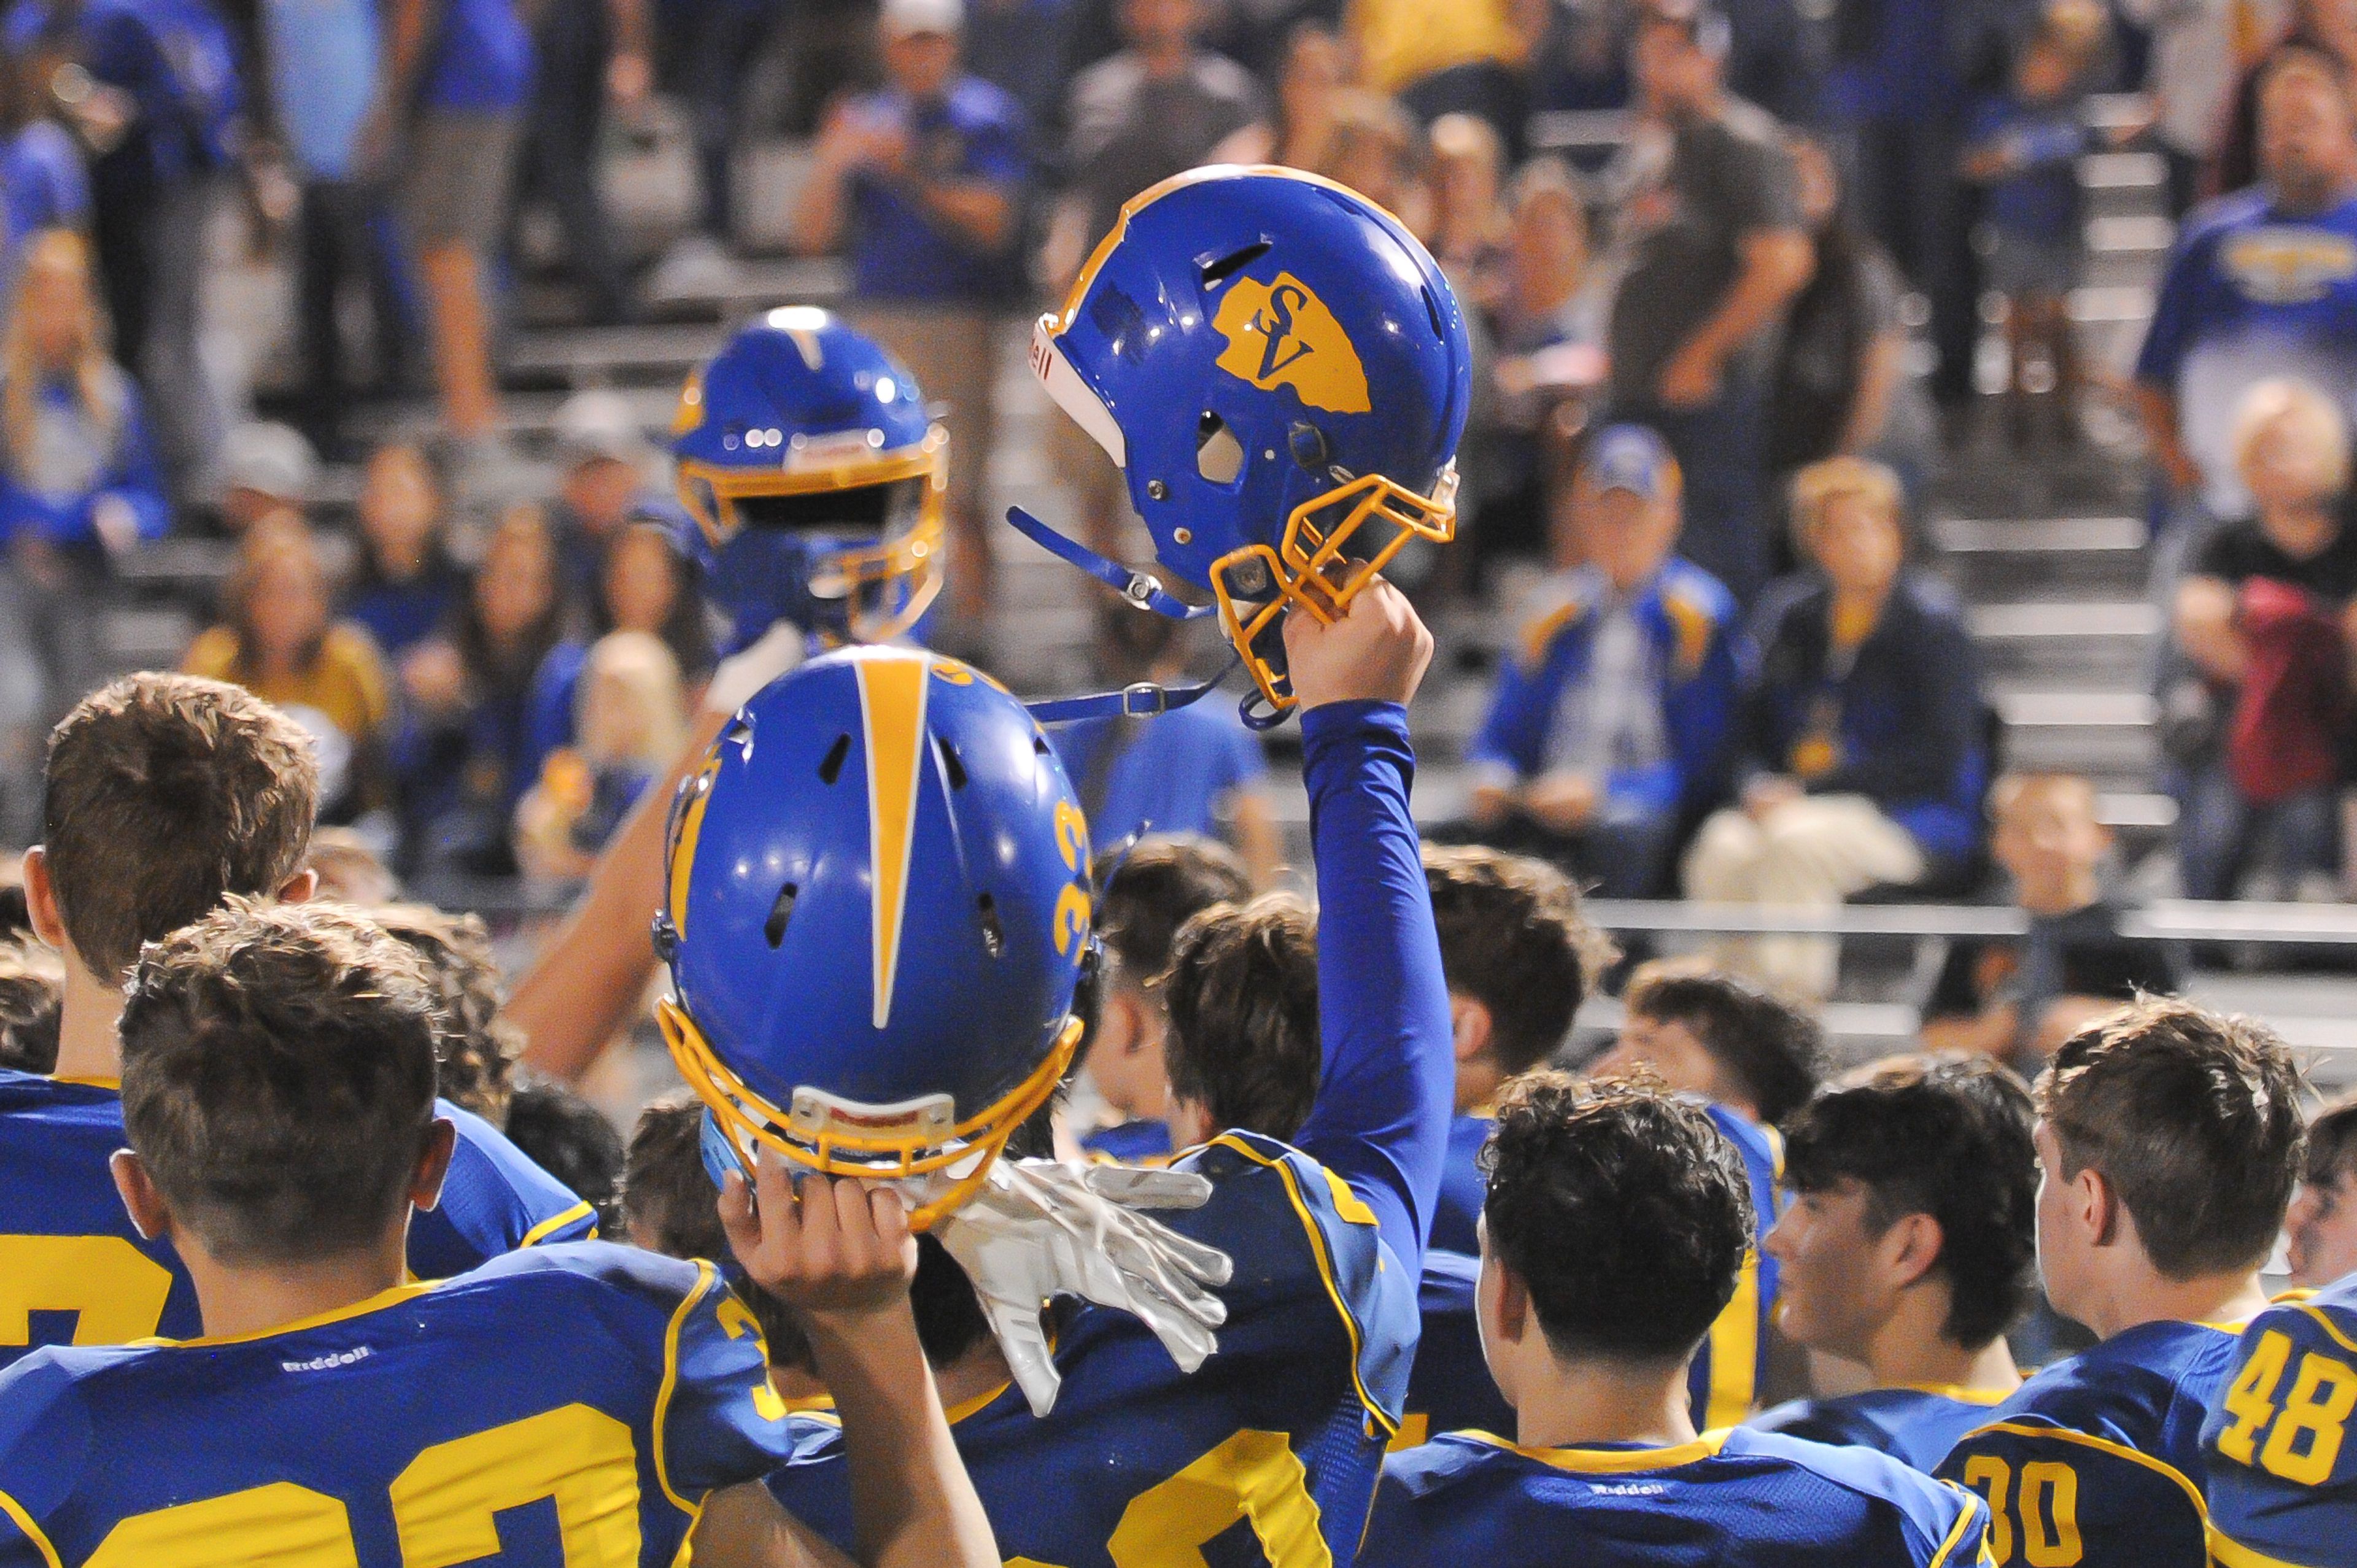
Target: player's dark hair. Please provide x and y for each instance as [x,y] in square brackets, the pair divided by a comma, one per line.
[1772,1050]
[2331,1155]
[278,1077]
[32,996]
[2194,1119]
[1623,1209]
[1943,1135]
[1165,880]
[668,1206]
[1242,990]
[1512,939]
[570,1139]
[163,794]
[479,1046]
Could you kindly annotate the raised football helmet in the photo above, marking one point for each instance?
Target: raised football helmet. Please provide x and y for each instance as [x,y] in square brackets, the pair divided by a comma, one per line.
[815,479]
[876,911]
[1282,373]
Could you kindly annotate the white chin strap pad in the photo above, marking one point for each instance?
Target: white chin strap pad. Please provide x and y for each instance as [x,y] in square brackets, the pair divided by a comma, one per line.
[1072,394]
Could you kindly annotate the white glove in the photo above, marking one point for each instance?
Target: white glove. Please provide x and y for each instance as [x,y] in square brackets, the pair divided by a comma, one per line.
[1039,1229]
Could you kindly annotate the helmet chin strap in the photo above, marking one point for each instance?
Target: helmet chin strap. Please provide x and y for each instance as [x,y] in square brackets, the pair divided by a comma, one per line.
[1143,591]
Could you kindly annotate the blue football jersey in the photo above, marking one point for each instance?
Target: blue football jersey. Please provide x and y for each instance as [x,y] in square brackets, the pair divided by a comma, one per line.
[1738,1497]
[1449,1388]
[1463,1188]
[1725,1377]
[2097,1459]
[73,1269]
[1273,1445]
[1142,1141]
[568,1404]
[2283,1479]
[1914,1427]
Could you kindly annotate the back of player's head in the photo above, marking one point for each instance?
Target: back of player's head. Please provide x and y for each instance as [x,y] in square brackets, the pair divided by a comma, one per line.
[1770,1048]
[2331,1155]
[570,1139]
[2194,1117]
[32,993]
[1948,1136]
[478,1047]
[163,794]
[668,1206]
[1165,880]
[1242,990]
[1512,939]
[1623,1210]
[278,1077]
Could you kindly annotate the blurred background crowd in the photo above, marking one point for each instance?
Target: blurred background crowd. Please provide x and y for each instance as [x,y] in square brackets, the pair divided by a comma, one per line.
[1909,471]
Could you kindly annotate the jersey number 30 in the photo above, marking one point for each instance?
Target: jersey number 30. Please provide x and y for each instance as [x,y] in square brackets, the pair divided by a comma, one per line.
[445,1505]
[2044,1517]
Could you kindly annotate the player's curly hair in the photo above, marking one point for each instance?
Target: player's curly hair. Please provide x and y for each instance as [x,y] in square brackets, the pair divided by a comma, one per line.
[1945,1135]
[478,1047]
[1242,990]
[1512,939]
[2194,1117]
[278,1077]
[1623,1209]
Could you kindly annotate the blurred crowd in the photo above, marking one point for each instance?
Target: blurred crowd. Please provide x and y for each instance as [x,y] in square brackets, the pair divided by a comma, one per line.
[1728,269]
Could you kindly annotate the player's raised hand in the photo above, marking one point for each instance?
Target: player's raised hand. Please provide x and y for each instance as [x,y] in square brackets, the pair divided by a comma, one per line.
[821,1244]
[1377,651]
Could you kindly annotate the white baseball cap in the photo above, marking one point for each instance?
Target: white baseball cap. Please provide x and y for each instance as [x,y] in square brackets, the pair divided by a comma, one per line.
[907,18]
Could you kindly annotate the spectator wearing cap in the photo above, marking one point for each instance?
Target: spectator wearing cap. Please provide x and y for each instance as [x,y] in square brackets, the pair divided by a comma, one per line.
[1861,760]
[1611,721]
[265,467]
[603,459]
[1161,105]
[926,184]
[1718,250]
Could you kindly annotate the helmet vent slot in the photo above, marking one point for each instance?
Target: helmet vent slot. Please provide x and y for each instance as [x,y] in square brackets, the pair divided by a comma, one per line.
[1432,310]
[994,934]
[1218,456]
[1220,271]
[952,764]
[1039,745]
[774,928]
[831,769]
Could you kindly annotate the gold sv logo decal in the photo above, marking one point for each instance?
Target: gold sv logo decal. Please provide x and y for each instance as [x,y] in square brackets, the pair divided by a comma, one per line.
[1280,334]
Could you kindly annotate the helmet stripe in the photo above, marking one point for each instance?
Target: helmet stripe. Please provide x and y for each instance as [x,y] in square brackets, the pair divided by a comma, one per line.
[892,688]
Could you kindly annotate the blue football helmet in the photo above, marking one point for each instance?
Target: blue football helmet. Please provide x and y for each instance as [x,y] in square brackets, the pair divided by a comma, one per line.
[1282,373]
[877,910]
[815,480]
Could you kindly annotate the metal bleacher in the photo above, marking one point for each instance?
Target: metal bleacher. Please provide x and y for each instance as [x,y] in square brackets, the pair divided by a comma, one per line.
[2047,548]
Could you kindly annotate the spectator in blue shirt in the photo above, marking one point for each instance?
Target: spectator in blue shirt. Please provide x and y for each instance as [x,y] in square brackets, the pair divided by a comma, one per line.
[164,108]
[1196,770]
[407,584]
[80,485]
[1862,762]
[1613,720]
[924,185]
[2023,146]
[42,182]
[454,91]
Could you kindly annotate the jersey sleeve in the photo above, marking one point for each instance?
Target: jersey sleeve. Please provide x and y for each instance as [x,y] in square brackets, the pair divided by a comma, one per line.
[44,1446]
[2055,1494]
[1387,1088]
[2282,1480]
[494,1200]
[2175,314]
[717,1420]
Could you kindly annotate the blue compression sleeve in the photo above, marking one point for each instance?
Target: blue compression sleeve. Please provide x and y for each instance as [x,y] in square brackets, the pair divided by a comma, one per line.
[1381,1121]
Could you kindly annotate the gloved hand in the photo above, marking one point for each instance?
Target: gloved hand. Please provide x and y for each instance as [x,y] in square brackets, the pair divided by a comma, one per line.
[1039,1229]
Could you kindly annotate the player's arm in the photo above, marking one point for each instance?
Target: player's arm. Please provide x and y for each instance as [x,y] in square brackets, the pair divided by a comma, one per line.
[587,981]
[1380,1119]
[841,1253]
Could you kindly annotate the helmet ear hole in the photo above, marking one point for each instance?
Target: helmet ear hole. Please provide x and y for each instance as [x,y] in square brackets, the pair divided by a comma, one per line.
[1218,456]
[831,768]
